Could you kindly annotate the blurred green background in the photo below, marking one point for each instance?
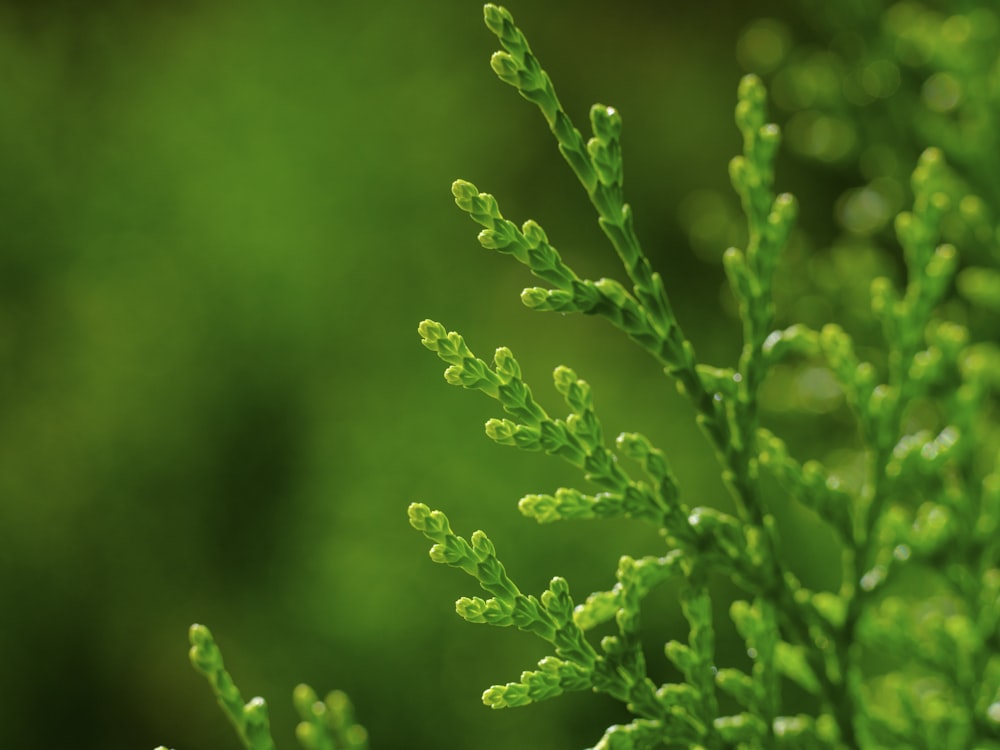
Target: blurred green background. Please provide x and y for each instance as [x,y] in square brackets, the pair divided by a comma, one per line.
[220,223]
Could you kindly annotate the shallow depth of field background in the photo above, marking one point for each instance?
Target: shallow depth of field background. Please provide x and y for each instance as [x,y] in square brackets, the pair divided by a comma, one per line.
[220,224]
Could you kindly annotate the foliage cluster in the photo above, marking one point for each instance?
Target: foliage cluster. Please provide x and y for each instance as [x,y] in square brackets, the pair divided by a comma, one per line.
[905,652]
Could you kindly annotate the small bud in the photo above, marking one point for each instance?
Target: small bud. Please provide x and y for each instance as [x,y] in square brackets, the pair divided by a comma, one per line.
[463,191]
[751,89]
[564,379]
[883,296]
[768,141]
[543,508]
[942,264]
[909,231]
[735,264]
[605,122]
[506,366]
[539,298]
[502,431]
[430,333]
[533,233]
[784,210]
[496,17]
[306,702]
[613,291]
[633,445]
[418,514]
[495,697]
[482,545]
[471,609]
[506,68]
[680,655]
[489,239]
[740,174]
[534,297]
[455,375]
[309,735]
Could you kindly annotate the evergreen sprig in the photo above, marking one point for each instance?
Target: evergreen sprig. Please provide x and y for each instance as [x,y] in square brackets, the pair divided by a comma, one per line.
[250,719]
[324,724]
[926,500]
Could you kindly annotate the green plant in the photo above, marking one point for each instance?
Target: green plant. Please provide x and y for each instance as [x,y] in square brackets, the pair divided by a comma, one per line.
[906,652]
[326,724]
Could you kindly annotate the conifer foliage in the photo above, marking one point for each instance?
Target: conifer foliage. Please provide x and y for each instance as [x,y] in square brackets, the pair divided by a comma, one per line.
[920,556]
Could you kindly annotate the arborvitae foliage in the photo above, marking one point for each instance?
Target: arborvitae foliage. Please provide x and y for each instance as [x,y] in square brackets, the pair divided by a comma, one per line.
[928,501]
[920,584]
[324,724]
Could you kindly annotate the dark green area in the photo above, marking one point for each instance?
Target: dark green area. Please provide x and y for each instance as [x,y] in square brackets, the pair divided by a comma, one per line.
[220,224]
